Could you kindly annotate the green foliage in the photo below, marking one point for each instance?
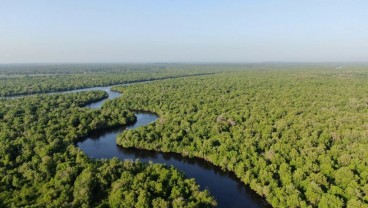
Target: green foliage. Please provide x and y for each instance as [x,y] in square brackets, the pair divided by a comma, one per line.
[153,187]
[31,79]
[297,137]
[41,167]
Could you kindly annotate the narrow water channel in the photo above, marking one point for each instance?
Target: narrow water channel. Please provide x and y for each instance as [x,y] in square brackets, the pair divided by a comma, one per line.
[225,187]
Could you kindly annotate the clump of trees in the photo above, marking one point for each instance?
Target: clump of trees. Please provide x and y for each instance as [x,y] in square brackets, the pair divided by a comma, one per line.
[41,167]
[297,137]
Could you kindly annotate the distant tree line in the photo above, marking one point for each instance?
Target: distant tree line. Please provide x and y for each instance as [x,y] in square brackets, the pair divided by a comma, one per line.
[43,83]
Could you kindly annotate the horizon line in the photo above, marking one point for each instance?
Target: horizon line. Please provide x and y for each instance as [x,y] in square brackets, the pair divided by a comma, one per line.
[189,62]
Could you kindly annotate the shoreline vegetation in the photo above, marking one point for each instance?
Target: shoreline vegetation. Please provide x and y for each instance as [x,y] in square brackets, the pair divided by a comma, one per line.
[61,90]
[12,87]
[291,140]
[42,167]
[296,137]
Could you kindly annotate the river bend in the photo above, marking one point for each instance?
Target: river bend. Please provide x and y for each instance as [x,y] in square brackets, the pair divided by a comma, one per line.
[227,189]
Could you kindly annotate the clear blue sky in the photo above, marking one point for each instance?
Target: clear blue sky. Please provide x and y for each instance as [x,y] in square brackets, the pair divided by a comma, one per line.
[183,31]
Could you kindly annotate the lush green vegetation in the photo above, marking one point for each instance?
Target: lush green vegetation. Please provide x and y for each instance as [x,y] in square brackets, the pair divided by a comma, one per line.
[50,78]
[297,137]
[41,167]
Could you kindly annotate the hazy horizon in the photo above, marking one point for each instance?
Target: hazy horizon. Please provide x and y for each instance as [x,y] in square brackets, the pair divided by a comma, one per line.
[242,32]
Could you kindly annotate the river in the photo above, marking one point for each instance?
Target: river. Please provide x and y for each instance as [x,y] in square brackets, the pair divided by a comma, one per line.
[224,186]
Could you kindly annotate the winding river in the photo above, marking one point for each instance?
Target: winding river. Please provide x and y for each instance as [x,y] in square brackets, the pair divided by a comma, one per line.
[224,186]
[227,189]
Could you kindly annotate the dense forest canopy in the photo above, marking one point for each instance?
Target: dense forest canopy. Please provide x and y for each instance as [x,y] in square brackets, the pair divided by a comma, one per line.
[296,134]
[13,70]
[297,137]
[52,78]
[41,167]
